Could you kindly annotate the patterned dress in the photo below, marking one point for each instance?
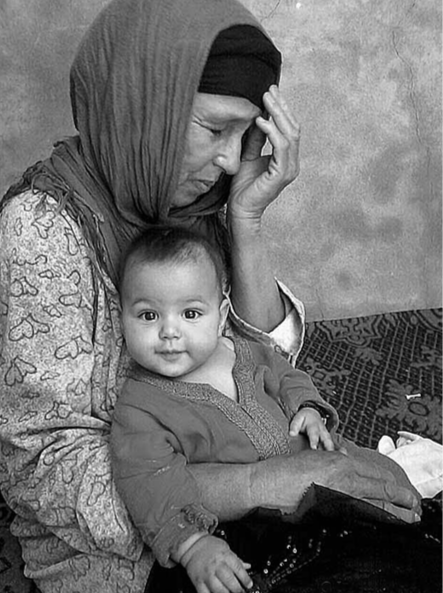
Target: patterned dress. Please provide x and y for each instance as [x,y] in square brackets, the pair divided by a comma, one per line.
[62,365]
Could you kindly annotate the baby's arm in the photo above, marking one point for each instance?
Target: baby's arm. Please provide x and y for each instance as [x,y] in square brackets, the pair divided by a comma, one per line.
[150,471]
[212,566]
[151,474]
[307,412]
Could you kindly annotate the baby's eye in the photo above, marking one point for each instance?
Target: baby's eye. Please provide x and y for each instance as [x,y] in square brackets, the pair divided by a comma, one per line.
[149,316]
[192,314]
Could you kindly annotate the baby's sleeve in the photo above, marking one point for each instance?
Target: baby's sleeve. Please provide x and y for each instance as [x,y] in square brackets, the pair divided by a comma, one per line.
[150,471]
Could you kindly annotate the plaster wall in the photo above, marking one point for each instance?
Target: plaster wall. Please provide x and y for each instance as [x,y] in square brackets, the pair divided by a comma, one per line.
[359,232]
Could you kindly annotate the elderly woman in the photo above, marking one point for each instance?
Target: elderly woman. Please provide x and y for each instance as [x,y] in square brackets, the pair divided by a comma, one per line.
[170,99]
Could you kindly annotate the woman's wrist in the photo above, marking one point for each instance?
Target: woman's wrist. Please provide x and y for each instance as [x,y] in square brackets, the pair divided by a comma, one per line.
[245,234]
[244,219]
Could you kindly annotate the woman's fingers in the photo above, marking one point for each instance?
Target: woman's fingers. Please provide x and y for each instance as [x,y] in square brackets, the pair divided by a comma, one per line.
[261,178]
[281,114]
[254,143]
[276,93]
[280,144]
[283,133]
[404,514]
[402,497]
[379,485]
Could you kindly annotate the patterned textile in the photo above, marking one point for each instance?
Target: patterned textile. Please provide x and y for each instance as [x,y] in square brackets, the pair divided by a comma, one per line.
[382,373]
[64,312]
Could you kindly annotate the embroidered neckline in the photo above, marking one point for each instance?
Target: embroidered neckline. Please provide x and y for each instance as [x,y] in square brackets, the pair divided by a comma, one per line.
[263,430]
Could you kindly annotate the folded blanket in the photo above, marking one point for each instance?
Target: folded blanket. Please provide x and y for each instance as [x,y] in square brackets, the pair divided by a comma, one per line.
[421,459]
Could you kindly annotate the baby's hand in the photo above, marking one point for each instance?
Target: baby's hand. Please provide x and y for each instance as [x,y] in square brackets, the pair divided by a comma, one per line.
[213,567]
[309,422]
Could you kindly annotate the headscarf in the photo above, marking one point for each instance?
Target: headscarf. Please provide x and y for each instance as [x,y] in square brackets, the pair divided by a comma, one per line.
[133,82]
[243,62]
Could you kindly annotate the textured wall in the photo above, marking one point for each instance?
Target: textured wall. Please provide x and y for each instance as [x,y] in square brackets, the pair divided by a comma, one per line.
[360,230]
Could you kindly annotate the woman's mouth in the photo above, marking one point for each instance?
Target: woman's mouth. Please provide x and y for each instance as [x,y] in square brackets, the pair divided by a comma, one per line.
[204,185]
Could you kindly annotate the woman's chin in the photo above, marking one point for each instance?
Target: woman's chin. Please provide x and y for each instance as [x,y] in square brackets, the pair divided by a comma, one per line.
[185,197]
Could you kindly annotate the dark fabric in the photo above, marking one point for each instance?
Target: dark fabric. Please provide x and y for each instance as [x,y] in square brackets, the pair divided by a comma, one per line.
[133,81]
[334,544]
[367,368]
[242,62]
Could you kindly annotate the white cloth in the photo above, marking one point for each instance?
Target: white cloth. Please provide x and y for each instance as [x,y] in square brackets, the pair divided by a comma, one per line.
[421,459]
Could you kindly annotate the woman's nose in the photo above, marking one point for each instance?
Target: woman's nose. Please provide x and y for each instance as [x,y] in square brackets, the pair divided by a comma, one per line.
[229,156]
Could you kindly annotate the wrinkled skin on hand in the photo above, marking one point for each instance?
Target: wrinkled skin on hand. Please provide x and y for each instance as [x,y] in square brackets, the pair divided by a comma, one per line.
[262,177]
[355,471]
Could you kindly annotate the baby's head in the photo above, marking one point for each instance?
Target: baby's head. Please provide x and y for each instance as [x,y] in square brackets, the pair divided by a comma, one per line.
[172,298]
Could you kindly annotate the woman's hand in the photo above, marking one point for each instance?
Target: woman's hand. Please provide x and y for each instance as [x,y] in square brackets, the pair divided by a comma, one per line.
[360,473]
[214,568]
[262,178]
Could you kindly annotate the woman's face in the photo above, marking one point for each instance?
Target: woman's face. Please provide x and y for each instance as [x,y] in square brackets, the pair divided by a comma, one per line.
[213,143]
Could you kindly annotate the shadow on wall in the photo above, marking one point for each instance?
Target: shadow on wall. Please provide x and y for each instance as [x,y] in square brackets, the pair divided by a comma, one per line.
[360,231]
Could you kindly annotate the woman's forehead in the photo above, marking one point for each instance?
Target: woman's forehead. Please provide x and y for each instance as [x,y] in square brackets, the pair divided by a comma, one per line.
[224,107]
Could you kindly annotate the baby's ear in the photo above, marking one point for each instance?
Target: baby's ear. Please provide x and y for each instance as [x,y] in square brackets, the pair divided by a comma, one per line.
[224,311]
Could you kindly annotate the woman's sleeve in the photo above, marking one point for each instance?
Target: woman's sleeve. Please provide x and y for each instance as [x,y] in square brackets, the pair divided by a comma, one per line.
[286,338]
[151,475]
[55,406]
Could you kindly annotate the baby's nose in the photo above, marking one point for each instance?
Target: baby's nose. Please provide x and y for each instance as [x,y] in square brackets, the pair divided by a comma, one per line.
[170,328]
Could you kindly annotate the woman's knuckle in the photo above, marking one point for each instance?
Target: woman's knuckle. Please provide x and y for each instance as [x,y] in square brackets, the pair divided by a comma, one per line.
[390,490]
[285,143]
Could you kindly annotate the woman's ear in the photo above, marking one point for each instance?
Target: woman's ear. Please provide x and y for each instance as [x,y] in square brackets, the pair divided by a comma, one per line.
[224,311]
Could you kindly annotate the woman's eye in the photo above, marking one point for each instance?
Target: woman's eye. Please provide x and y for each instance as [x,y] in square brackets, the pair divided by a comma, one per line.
[213,131]
[148,316]
[191,314]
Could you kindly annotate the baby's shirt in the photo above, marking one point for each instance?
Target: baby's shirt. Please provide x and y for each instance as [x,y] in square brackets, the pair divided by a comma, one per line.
[160,425]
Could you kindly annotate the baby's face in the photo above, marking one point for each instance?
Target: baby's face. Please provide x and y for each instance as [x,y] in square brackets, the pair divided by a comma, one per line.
[172,316]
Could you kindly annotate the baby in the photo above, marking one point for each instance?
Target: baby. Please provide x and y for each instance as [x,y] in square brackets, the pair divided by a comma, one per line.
[196,393]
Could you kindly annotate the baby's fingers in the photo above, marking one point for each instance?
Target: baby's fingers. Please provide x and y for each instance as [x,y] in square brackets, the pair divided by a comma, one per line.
[318,435]
[326,441]
[234,576]
[295,426]
[313,437]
